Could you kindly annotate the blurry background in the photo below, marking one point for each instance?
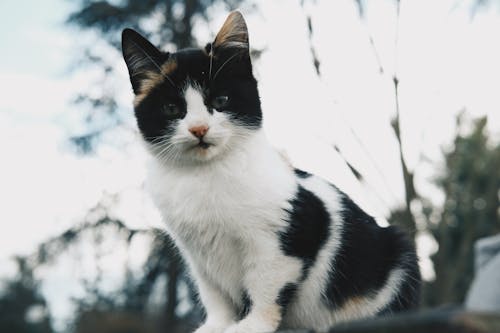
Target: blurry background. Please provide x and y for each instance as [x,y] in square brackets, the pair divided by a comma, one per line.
[396,102]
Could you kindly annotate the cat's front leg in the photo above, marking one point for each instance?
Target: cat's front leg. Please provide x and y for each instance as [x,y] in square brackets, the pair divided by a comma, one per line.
[261,320]
[271,283]
[220,314]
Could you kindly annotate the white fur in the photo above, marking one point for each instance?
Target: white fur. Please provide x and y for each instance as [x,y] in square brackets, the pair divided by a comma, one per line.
[224,207]
[197,113]
[224,216]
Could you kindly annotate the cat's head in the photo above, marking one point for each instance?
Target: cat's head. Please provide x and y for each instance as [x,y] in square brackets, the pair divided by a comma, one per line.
[195,104]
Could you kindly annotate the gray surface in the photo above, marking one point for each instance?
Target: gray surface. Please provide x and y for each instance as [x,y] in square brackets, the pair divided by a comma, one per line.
[484,293]
[430,321]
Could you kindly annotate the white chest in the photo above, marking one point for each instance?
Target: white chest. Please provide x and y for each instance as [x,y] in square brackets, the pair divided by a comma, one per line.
[215,213]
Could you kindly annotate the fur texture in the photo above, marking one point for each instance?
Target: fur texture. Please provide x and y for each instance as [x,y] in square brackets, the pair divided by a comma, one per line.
[269,246]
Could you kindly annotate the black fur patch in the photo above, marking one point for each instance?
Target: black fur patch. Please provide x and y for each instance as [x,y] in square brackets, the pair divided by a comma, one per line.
[302,174]
[150,118]
[366,256]
[246,305]
[286,294]
[408,297]
[227,73]
[308,228]
[136,47]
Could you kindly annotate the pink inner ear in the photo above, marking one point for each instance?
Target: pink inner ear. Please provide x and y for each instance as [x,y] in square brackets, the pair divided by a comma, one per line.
[234,32]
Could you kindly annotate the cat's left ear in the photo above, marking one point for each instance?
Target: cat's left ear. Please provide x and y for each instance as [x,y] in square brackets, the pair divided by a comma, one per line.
[233,35]
[142,57]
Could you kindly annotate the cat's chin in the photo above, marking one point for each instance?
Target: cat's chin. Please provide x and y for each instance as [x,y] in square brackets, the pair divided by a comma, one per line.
[205,153]
[201,153]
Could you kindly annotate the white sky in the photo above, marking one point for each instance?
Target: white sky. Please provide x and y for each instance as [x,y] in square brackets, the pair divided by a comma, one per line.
[446,62]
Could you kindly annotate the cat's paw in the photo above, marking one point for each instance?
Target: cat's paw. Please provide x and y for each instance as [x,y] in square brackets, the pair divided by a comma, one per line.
[210,328]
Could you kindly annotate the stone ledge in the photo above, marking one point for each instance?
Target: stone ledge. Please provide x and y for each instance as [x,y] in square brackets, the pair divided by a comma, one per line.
[431,321]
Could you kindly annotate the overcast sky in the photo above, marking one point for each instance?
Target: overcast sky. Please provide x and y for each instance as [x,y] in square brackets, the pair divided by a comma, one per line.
[446,62]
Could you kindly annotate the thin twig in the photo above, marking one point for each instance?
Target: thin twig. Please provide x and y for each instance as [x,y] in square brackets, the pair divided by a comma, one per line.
[358,140]
[361,14]
[314,54]
[410,193]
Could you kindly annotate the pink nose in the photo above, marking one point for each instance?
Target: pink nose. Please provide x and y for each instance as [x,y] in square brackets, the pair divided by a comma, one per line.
[199,131]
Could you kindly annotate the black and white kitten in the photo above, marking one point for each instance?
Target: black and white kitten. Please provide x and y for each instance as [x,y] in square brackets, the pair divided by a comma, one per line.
[269,246]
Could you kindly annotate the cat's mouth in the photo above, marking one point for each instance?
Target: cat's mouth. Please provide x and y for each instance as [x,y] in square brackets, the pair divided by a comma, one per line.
[203,145]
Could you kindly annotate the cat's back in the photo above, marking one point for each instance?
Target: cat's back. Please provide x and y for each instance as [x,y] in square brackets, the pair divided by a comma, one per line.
[360,268]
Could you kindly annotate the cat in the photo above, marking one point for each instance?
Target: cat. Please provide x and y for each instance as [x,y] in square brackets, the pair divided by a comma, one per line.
[268,246]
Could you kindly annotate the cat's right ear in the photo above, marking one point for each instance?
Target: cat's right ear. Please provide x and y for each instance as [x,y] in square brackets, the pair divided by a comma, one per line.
[142,58]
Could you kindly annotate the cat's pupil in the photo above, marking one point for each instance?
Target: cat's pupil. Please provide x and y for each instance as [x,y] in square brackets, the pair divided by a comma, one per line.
[220,101]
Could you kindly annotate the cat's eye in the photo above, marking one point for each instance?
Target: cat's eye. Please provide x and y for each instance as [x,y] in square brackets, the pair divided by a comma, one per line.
[172,110]
[220,102]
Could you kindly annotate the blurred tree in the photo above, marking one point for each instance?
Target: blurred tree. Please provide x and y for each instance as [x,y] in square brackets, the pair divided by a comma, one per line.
[22,308]
[136,304]
[471,183]
[174,18]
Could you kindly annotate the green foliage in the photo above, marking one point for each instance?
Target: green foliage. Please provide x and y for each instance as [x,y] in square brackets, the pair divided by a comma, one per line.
[471,183]
[22,308]
[130,306]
